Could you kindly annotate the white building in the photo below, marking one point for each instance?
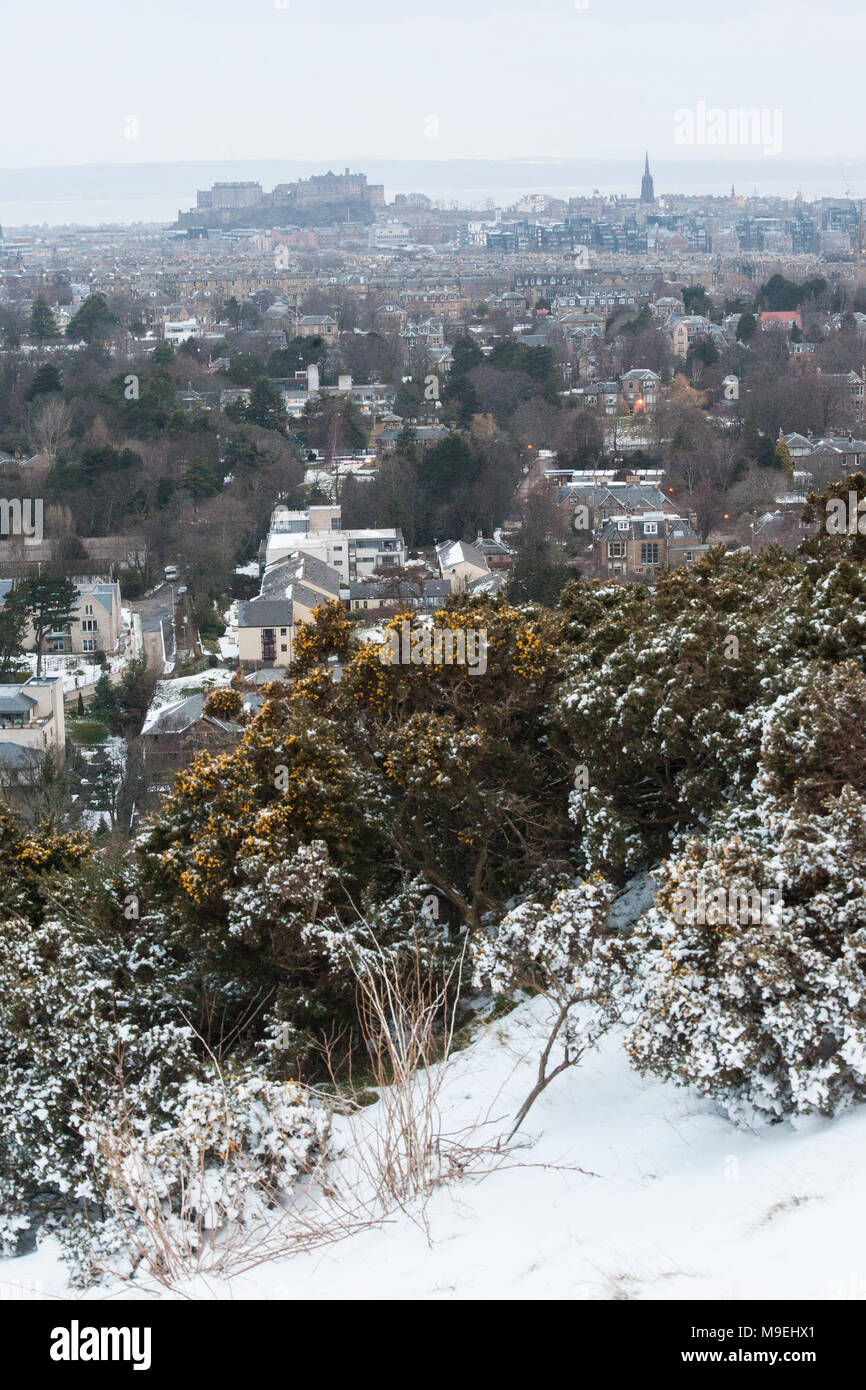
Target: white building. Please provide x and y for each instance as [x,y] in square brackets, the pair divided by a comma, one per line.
[354,554]
[32,725]
[179,331]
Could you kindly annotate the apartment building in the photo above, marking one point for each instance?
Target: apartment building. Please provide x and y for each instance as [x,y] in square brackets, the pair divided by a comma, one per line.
[354,554]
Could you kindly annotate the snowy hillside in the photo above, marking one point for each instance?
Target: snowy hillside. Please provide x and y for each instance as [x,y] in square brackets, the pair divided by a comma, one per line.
[674,1202]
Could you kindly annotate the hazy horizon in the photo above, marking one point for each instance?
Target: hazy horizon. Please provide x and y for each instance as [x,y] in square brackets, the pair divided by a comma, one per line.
[105,193]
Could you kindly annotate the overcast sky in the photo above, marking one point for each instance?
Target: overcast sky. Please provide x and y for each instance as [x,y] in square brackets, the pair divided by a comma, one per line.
[355,79]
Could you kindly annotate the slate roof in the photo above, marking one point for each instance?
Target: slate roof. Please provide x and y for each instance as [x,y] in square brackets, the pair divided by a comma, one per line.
[14,701]
[451,553]
[265,612]
[175,719]
[16,758]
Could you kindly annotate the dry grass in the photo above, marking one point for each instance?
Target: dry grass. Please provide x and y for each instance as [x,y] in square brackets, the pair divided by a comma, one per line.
[392,1156]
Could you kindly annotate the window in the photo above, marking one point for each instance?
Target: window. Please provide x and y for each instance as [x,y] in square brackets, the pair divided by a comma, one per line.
[88,625]
[616,549]
[88,607]
[690,555]
[649,553]
[89,644]
[651,528]
[282,634]
[283,647]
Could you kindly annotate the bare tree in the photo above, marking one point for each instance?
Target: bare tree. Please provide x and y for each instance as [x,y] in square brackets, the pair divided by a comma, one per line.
[48,429]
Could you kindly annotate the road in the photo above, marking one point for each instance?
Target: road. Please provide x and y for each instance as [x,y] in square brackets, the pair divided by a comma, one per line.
[155,605]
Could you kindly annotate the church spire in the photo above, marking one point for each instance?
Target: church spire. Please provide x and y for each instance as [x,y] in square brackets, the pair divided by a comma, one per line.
[647,191]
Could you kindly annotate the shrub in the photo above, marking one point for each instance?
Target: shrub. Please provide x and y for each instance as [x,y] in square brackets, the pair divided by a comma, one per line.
[568,953]
[224,703]
[767,1015]
[117,1133]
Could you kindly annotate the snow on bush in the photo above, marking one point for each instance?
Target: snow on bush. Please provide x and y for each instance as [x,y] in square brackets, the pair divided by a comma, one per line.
[179,1194]
[766,1014]
[568,953]
[102,1079]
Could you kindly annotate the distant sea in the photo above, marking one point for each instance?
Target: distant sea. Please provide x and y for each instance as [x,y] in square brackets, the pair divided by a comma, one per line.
[85,212]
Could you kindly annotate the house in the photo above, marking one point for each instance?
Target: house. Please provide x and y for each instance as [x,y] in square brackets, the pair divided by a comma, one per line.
[466,568]
[784,319]
[32,727]
[179,331]
[848,452]
[97,624]
[174,733]
[667,305]
[293,587]
[640,387]
[600,395]
[183,726]
[319,326]
[423,436]
[378,594]
[633,546]
[234,393]
[850,385]
[498,555]
[106,555]
[686,329]
[580,325]
[428,334]
[596,503]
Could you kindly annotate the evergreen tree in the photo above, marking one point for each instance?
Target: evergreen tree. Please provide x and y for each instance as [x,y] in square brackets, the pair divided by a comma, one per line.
[42,322]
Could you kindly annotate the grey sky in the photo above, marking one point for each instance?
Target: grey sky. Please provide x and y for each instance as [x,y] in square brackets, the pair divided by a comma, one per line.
[344,81]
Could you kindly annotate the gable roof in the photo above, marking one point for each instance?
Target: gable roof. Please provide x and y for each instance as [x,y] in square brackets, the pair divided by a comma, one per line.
[17,757]
[177,718]
[451,553]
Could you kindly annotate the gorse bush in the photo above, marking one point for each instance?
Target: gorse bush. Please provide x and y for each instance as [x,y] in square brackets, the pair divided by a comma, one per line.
[767,1014]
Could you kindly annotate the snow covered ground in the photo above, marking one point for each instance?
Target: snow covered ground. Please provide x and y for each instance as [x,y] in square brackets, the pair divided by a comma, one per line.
[228,643]
[77,670]
[674,1203]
